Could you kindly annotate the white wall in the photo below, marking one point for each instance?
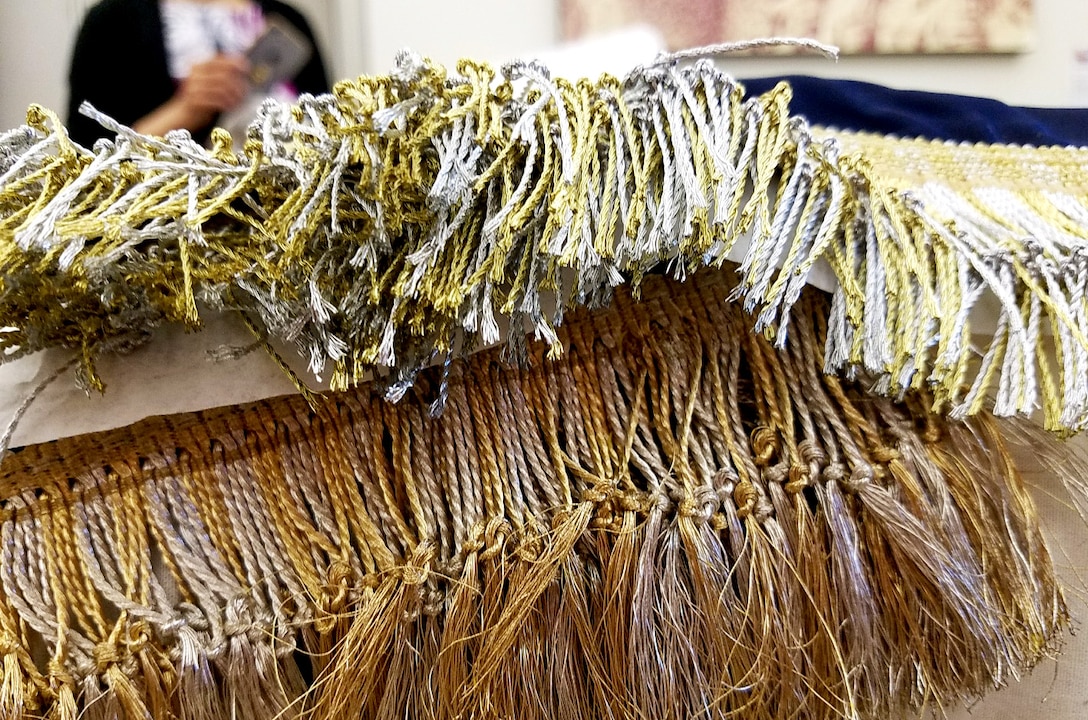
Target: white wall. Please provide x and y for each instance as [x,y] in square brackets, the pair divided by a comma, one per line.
[35,41]
[364,35]
[447,30]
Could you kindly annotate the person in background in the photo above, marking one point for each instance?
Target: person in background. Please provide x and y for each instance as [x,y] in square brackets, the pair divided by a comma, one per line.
[160,65]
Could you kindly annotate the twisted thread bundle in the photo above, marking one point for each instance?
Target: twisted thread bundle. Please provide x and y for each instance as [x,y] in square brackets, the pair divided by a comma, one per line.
[408,217]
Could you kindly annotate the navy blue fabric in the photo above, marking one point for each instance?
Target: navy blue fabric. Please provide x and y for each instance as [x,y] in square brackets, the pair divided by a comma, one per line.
[860,106]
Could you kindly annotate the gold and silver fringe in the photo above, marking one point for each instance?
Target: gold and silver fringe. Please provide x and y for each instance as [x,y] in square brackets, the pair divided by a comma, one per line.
[672,520]
[407,218]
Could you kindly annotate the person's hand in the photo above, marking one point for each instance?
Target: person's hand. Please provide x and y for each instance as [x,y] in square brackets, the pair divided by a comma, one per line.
[214,86]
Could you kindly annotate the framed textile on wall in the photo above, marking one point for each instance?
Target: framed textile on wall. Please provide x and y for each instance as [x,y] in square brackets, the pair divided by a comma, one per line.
[855,26]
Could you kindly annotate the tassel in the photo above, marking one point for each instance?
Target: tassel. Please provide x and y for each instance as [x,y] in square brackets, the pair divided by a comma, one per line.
[460,638]
[356,678]
[252,684]
[527,582]
[20,683]
[198,693]
[61,686]
[13,688]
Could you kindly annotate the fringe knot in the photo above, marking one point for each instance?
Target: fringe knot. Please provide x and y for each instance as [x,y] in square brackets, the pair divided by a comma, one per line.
[764,445]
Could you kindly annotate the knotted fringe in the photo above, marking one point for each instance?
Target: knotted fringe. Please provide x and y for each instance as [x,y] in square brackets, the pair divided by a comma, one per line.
[409,217]
[671,520]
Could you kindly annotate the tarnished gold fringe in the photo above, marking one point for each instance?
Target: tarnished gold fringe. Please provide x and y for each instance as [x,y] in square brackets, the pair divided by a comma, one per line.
[672,520]
[411,216]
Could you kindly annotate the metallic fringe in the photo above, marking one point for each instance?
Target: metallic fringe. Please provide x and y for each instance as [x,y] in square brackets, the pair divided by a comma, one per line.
[672,520]
[408,217]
